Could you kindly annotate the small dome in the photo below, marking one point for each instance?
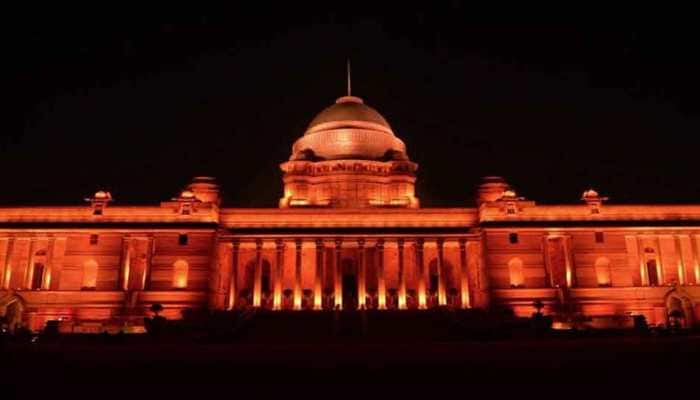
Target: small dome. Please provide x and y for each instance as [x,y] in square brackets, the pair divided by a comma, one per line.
[349,129]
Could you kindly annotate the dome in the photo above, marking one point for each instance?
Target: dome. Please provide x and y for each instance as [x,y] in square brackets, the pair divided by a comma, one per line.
[348,111]
[348,129]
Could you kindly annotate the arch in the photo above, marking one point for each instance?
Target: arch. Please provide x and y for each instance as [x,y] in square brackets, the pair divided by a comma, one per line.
[679,309]
[89,275]
[515,272]
[602,271]
[11,311]
[181,271]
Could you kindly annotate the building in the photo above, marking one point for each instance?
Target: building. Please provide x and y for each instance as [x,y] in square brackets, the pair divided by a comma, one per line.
[350,233]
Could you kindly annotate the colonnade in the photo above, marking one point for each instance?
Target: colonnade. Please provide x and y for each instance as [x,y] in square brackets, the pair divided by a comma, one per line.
[405,247]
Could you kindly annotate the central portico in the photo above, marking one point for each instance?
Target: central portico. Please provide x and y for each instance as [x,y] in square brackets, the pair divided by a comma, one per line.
[301,258]
[349,232]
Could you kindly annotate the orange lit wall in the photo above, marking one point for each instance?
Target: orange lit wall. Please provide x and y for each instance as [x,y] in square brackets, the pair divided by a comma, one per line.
[138,253]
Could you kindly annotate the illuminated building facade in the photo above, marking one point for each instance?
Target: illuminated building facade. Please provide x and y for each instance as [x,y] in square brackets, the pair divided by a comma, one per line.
[349,233]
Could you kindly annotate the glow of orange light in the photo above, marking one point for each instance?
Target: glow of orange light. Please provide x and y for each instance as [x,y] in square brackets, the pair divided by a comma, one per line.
[297,298]
[181,282]
[381,295]
[317,296]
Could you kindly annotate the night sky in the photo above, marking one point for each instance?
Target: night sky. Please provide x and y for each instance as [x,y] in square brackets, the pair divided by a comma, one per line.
[138,104]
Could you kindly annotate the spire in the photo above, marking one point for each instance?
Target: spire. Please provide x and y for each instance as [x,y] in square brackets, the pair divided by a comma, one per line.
[349,81]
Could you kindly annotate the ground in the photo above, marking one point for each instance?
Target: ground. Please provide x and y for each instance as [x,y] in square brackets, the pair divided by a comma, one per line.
[625,361]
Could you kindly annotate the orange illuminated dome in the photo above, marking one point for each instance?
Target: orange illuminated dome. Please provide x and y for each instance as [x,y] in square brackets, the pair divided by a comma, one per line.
[349,158]
[348,129]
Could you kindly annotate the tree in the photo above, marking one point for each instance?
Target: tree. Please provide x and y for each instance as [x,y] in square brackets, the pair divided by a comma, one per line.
[156,325]
[538,305]
[156,308]
[675,317]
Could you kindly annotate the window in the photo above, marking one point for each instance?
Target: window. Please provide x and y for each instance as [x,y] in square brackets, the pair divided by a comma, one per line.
[515,272]
[38,270]
[98,209]
[602,271]
[513,238]
[37,276]
[94,239]
[182,239]
[599,238]
[89,275]
[652,273]
[186,209]
[180,272]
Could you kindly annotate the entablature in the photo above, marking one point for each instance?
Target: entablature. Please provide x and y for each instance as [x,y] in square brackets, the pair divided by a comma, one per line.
[319,218]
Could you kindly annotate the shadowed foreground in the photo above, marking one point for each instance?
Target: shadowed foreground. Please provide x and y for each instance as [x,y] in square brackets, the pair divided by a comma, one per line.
[617,360]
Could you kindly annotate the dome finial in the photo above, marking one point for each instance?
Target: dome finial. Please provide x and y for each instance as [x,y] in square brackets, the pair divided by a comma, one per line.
[349,81]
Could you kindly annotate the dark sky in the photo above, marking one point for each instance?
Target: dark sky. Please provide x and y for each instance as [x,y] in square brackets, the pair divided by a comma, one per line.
[138,104]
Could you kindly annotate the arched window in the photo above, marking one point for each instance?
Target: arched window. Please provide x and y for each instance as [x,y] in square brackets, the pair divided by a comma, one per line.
[602,271]
[652,273]
[180,271]
[38,270]
[89,275]
[515,270]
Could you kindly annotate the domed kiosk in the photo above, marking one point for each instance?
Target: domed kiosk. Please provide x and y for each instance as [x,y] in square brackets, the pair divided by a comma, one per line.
[349,157]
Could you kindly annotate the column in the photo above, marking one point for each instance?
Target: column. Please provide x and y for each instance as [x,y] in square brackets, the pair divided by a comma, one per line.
[277,279]
[361,275]
[46,282]
[548,282]
[29,272]
[58,253]
[696,258]
[659,258]
[318,276]
[381,284]
[402,276]
[476,255]
[297,274]
[233,278]
[8,264]
[146,277]
[5,249]
[644,279]
[463,274]
[421,274]
[442,295]
[681,264]
[567,260]
[257,282]
[125,264]
[338,274]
